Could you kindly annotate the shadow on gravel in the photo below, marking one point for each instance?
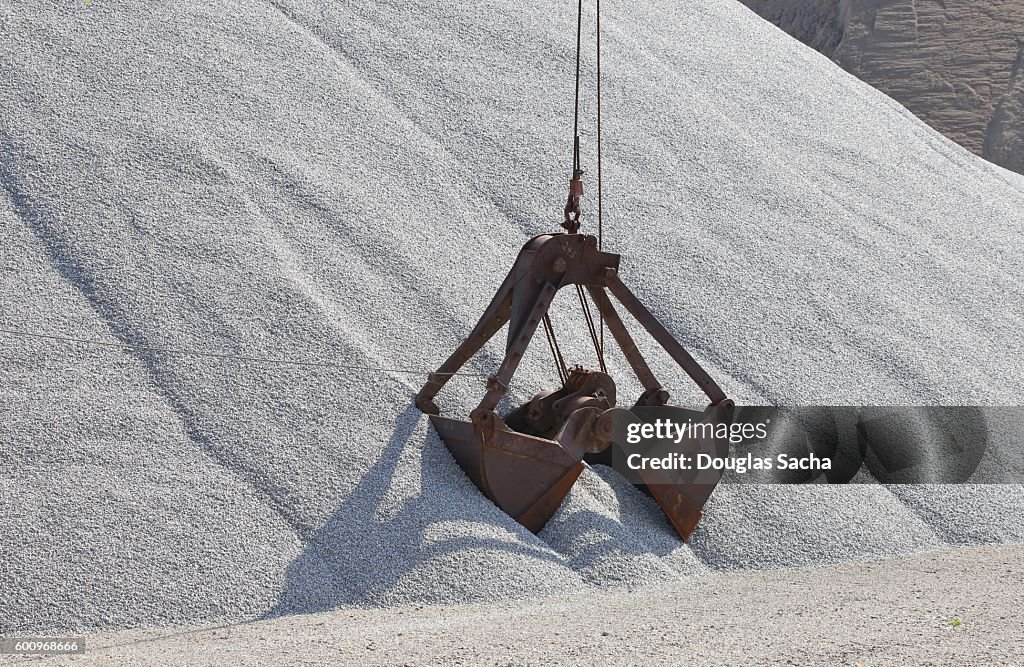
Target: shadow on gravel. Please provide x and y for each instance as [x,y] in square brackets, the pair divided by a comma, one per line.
[628,525]
[373,540]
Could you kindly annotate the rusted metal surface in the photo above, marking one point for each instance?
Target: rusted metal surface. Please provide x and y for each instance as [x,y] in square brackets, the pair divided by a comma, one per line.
[527,461]
[548,410]
[665,339]
[624,340]
[571,216]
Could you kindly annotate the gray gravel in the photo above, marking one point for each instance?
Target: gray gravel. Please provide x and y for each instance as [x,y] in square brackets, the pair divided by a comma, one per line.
[962,607]
[349,183]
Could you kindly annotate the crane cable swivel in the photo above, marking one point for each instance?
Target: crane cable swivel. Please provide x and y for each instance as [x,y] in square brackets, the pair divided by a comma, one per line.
[571,217]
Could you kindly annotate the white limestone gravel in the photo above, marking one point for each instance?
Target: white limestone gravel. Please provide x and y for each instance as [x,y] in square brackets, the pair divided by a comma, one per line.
[959,607]
[349,182]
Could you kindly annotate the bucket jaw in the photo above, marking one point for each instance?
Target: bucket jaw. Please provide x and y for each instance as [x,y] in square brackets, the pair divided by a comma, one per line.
[526,476]
[527,461]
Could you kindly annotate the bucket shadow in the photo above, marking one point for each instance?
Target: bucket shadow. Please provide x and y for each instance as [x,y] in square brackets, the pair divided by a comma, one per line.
[586,536]
[363,554]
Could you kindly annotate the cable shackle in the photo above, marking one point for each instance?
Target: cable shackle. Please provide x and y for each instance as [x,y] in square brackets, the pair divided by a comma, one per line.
[571,216]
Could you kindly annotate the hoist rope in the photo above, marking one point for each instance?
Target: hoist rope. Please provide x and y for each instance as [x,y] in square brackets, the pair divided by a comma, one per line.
[576,107]
[596,332]
[600,220]
[589,317]
[556,352]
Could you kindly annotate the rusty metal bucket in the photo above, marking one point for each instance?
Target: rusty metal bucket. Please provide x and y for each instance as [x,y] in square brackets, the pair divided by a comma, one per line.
[680,493]
[520,462]
[527,477]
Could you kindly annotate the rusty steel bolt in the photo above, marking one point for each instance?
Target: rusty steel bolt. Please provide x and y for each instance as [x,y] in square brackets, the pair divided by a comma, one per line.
[559,265]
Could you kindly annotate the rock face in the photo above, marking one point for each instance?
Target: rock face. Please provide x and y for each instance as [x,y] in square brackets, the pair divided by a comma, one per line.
[955,63]
[1004,139]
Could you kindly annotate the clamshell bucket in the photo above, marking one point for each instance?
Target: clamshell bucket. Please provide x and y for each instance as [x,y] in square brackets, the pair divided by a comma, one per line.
[527,477]
[681,492]
[527,461]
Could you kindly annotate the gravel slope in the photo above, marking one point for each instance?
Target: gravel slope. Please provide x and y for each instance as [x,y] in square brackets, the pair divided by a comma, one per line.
[300,181]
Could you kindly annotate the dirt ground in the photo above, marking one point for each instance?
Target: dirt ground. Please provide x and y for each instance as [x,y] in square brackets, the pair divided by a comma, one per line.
[958,607]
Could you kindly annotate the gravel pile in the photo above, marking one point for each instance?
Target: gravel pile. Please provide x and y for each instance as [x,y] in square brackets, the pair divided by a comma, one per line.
[348,183]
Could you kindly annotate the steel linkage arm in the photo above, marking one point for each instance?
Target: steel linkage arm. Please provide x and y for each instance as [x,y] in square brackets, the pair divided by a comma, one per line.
[625,341]
[493,319]
[665,339]
[520,334]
